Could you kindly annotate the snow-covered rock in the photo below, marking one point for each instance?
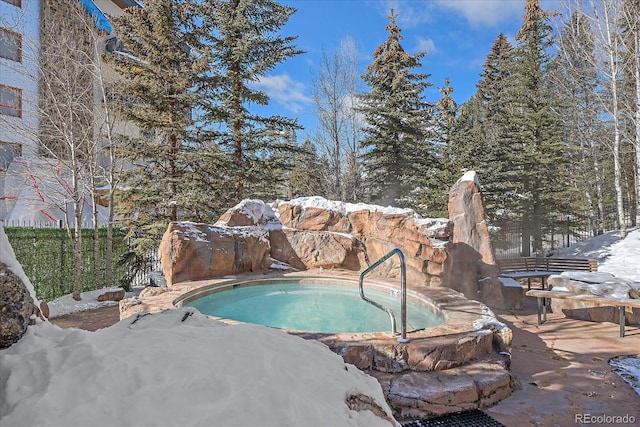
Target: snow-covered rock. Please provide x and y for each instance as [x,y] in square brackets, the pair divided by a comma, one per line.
[307,233]
[18,302]
[179,367]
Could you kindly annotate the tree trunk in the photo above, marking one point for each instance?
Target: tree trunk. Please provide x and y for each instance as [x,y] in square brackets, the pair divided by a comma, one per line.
[636,72]
[617,166]
[77,232]
[610,37]
[237,131]
[97,259]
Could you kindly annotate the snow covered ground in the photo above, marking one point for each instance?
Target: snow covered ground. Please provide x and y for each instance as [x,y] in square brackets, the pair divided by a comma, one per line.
[618,257]
[177,368]
[182,368]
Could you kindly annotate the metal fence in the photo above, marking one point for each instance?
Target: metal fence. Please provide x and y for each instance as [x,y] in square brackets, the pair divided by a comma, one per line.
[563,231]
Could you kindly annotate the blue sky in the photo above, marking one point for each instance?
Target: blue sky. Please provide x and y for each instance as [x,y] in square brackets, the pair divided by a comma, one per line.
[456,34]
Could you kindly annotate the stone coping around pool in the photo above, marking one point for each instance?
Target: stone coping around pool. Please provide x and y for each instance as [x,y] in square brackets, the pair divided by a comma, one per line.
[469,330]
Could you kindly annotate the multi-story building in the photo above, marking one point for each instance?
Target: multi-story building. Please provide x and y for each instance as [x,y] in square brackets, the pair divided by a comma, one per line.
[19,50]
[30,35]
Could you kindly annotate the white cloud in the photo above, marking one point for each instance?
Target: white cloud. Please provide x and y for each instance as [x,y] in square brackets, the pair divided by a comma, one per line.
[485,12]
[426,45]
[410,14]
[285,91]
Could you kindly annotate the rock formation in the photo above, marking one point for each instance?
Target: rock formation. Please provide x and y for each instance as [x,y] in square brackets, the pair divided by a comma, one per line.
[474,271]
[305,233]
[17,298]
[312,232]
[594,283]
[16,307]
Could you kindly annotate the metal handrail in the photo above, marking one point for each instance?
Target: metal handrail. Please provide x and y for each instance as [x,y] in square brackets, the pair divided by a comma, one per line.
[403,291]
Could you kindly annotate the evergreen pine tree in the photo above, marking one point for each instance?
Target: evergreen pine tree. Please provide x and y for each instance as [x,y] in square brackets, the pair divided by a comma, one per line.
[396,154]
[307,177]
[155,94]
[444,125]
[535,150]
[239,37]
[493,161]
[466,149]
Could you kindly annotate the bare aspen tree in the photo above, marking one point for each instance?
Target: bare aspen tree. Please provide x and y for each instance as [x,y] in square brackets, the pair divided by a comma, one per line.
[631,37]
[577,79]
[110,131]
[98,152]
[338,135]
[66,108]
[605,20]
[63,152]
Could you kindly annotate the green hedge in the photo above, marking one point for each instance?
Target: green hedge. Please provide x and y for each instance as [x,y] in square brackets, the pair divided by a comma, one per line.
[46,256]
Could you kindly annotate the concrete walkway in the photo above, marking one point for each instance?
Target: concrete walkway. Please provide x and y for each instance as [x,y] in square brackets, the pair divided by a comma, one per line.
[563,370]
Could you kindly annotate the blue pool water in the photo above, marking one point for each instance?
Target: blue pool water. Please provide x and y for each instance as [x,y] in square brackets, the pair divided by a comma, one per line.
[312,308]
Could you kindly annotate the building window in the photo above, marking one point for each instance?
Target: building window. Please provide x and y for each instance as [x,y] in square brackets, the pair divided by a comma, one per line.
[10,101]
[10,45]
[8,151]
[17,3]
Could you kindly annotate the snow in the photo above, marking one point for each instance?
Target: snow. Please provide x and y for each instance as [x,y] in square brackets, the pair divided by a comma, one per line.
[89,301]
[342,207]
[258,211]
[488,322]
[181,368]
[507,281]
[176,367]
[629,369]
[622,258]
[470,176]
[616,256]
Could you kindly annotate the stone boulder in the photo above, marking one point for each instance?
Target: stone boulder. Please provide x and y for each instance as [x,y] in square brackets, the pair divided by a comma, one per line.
[114,294]
[16,307]
[249,213]
[374,230]
[190,251]
[596,283]
[313,214]
[474,271]
[304,233]
[318,249]
[593,283]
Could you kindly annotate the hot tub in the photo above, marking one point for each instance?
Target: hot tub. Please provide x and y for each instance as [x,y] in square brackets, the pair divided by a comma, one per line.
[322,306]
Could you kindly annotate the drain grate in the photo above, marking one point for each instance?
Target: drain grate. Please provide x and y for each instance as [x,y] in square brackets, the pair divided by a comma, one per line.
[473,418]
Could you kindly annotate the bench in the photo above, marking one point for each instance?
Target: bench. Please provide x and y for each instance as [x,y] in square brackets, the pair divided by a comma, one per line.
[621,303]
[542,267]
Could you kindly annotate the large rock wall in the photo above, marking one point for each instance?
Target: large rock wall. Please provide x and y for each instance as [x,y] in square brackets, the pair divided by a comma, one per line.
[374,231]
[474,270]
[307,233]
[312,232]
[18,307]
[190,251]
